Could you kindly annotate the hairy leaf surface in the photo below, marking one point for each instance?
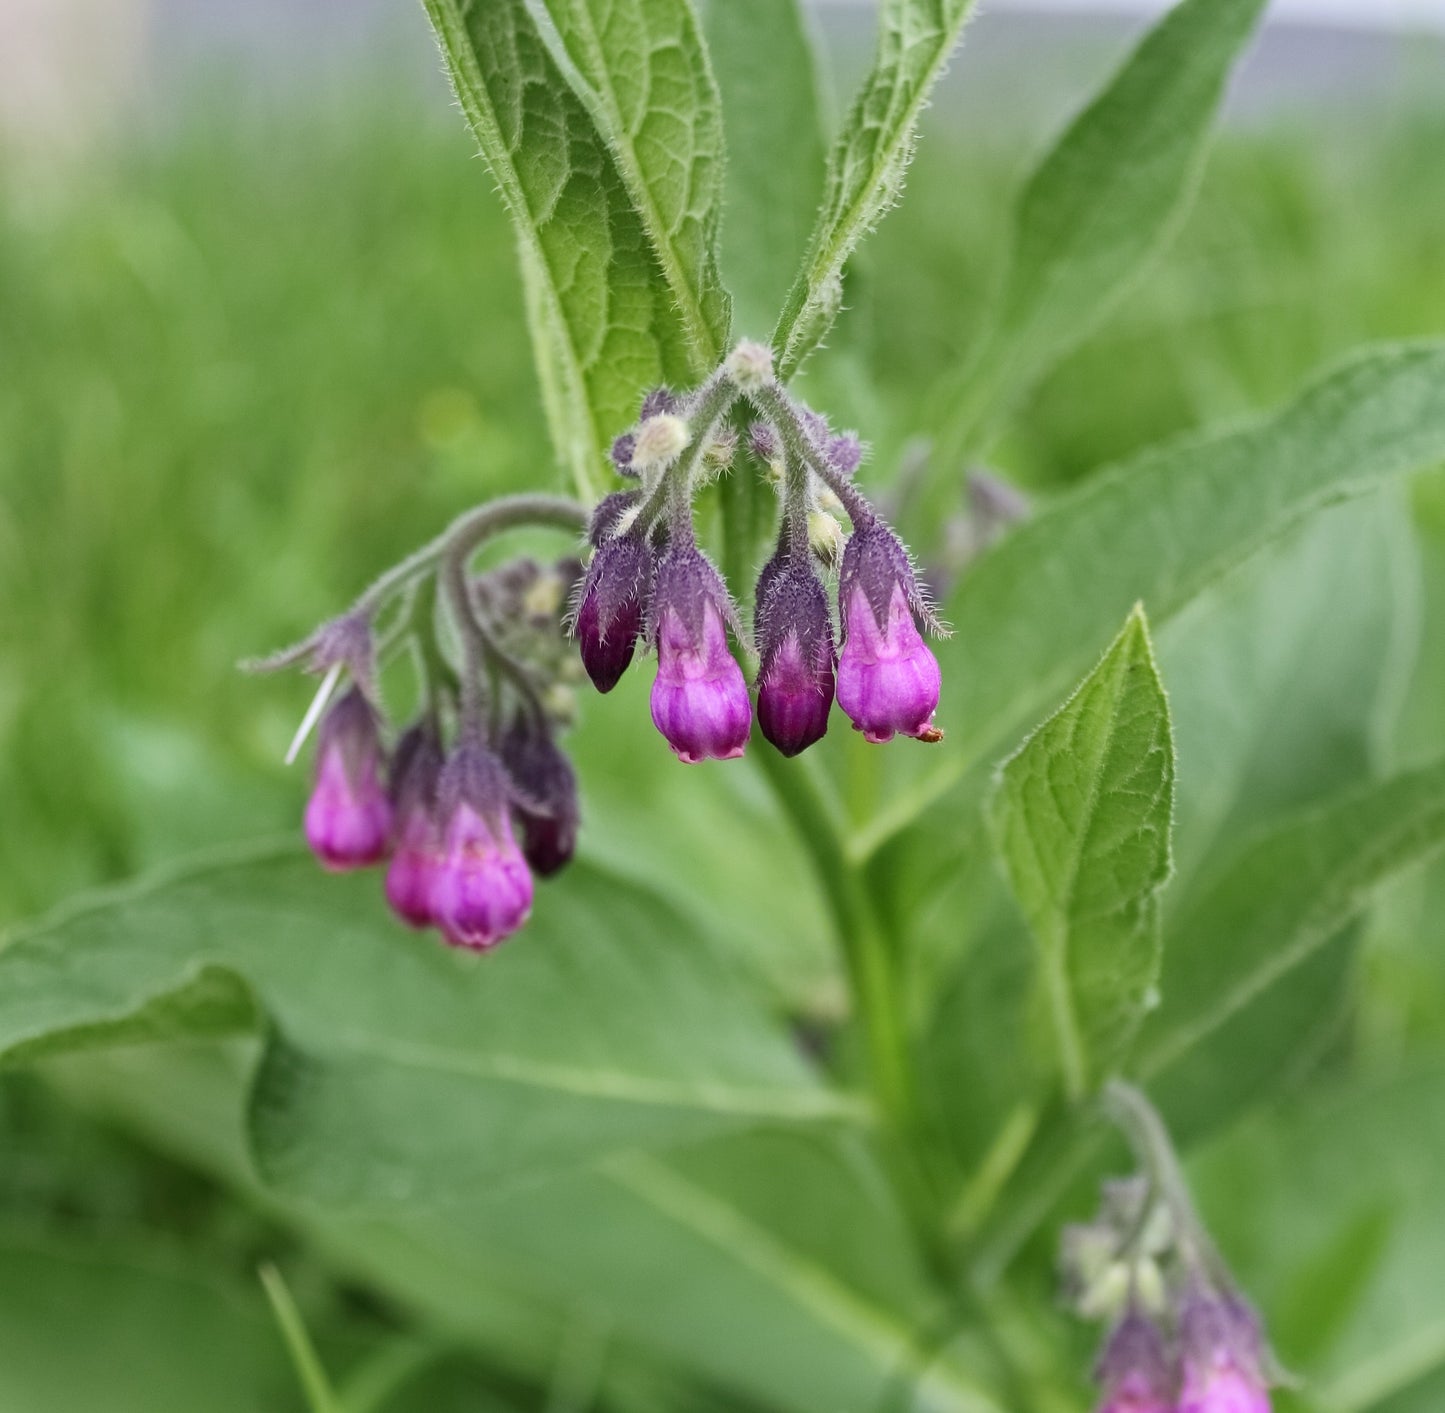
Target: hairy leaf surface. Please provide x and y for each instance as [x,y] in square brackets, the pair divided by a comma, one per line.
[604,324]
[640,68]
[1081,817]
[868,162]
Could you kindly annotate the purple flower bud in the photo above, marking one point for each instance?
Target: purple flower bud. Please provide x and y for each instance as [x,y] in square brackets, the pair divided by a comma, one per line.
[700,699]
[1135,1370]
[795,645]
[416,855]
[844,453]
[612,607]
[348,817]
[545,802]
[763,442]
[657,401]
[622,449]
[482,890]
[1222,1355]
[608,513]
[888,680]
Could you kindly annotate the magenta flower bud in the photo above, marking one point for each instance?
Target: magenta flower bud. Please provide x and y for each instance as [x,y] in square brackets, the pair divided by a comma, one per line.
[545,798]
[612,608]
[482,890]
[888,679]
[700,698]
[1222,1356]
[348,817]
[416,856]
[795,645]
[1135,1370]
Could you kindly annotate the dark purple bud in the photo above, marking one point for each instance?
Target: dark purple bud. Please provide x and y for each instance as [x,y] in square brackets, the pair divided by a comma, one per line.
[545,800]
[482,890]
[612,608]
[416,856]
[659,400]
[1135,1371]
[348,817]
[622,450]
[888,680]
[1222,1356]
[608,513]
[795,646]
[844,453]
[700,698]
[763,442]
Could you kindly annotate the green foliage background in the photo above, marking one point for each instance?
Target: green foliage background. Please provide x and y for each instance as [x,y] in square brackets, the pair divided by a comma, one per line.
[246,363]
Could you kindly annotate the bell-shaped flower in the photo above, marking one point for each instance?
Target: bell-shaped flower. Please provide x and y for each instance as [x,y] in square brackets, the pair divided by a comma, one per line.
[795,648]
[700,698]
[482,890]
[888,679]
[348,817]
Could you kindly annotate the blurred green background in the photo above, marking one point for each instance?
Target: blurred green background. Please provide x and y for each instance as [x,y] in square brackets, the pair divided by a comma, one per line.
[260,345]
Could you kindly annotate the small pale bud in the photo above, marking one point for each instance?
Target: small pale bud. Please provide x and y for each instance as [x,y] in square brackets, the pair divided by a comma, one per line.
[826,538]
[750,366]
[660,440]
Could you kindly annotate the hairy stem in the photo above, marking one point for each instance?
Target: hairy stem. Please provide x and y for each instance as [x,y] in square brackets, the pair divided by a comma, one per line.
[774,404]
[711,403]
[865,950]
[467,532]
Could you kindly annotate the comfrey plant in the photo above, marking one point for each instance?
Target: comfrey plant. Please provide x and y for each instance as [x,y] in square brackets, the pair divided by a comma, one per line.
[448,817]
[801,1055]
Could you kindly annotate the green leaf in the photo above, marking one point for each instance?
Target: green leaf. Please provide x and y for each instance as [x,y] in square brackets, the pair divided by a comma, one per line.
[641,69]
[791,1281]
[1032,615]
[868,162]
[1104,200]
[1283,896]
[604,325]
[129,1326]
[396,1070]
[1081,817]
[762,52]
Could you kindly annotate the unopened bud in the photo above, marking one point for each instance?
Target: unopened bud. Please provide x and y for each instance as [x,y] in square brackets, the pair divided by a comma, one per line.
[750,366]
[660,440]
[826,538]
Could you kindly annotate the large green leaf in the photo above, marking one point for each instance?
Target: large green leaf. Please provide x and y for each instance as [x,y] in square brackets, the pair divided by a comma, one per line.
[1103,201]
[1033,614]
[868,162]
[1351,1276]
[641,70]
[604,325]
[763,54]
[774,1265]
[130,1326]
[1280,898]
[1081,817]
[396,1070]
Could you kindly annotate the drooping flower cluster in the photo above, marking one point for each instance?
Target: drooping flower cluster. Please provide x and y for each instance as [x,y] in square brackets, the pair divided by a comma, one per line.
[462,828]
[649,583]
[476,797]
[1182,1337]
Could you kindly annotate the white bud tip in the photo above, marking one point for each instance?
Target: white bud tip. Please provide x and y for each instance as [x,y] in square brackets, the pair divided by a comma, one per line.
[750,365]
[660,439]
